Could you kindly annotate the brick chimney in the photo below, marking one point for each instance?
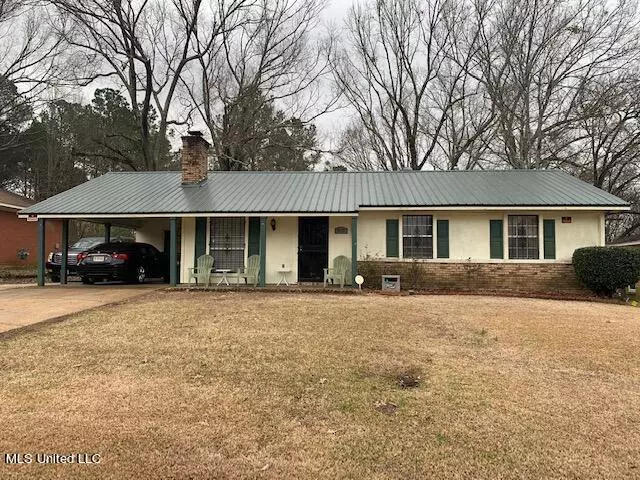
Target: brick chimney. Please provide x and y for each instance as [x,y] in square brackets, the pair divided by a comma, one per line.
[194,158]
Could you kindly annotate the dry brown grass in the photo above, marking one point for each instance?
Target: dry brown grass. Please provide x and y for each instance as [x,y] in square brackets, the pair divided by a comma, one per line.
[250,385]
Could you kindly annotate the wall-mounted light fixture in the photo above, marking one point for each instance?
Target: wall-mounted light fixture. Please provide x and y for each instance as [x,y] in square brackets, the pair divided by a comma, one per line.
[273,224]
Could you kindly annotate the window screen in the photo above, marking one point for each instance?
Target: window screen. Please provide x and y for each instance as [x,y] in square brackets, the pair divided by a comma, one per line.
[523,237]
[227,243]
[417,236]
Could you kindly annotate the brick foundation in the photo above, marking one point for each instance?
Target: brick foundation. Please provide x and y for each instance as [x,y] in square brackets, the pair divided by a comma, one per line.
[521,277]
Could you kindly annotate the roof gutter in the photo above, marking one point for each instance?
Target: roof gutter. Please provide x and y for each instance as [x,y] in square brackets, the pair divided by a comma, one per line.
[501,207]
[14,207]
[625,244]
[188,214]
[482,208]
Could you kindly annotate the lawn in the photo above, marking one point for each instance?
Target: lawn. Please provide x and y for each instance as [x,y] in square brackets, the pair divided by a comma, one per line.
[258,385]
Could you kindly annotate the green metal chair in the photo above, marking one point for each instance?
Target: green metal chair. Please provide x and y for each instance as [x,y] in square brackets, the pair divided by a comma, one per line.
[339,272]
[252,270]
[202,271]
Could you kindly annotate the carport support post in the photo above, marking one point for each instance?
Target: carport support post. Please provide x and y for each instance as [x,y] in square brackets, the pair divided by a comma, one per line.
[65,251]
[263,252]
[173,251]
[354,250]
[41,252]
[107,232]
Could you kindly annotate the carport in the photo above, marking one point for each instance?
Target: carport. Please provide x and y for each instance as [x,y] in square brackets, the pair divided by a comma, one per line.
[153,203]
[153,230]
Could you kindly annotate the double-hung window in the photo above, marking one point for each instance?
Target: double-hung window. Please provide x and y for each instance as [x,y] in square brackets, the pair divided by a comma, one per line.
[417,236]
[227,242]
[523,237]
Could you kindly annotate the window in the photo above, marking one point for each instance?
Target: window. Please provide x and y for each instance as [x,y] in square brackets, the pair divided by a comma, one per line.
[523,237]
[417,236]
[227,243]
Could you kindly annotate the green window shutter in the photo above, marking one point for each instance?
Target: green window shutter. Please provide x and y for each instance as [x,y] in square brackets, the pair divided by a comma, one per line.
[393,238]
[549,232]
[201,237]
[254,236]
[443,238]
[496,244]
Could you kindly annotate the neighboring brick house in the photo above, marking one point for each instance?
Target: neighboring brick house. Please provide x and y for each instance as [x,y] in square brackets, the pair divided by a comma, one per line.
[632,241]
[18,237]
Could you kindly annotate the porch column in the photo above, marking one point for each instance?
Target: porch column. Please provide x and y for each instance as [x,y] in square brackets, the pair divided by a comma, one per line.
[65,251]
[107,232]
[41,252]
[262,277]
[173,251]
[354,250]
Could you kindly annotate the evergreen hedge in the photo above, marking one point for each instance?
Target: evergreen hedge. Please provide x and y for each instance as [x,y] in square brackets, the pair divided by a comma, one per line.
[606,269]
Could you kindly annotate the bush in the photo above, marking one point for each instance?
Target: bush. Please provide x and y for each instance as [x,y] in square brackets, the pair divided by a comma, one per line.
[606,269]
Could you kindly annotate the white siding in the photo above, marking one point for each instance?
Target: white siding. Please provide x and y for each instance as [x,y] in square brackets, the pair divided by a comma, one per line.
[339,244]
[187,247]
[469,232]
[152,231]
[468,237]
[282,248]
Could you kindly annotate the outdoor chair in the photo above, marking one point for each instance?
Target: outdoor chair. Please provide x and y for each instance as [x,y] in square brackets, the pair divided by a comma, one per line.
[202,271]
[339,272]
[251,271]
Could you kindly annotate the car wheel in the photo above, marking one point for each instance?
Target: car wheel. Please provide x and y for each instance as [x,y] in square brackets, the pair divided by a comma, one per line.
[86,280]
[141,274]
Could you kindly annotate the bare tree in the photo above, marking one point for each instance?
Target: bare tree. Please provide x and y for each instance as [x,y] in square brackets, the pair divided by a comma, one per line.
[267,59]
[27,63]
[356,149]
[469,113]
[145,46]
[609,156]
[402,70]
[536,56]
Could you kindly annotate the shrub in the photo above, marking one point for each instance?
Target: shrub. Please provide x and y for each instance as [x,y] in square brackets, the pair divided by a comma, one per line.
[370,269]
[606,269]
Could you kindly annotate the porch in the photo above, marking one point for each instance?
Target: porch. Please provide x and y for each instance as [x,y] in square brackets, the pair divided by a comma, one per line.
[290,247]
[301,246]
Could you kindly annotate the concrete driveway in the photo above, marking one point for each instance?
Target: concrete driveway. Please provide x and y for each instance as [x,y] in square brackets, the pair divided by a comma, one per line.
[25,305]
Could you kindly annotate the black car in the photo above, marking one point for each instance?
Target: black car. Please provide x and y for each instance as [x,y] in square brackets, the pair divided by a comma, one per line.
[55,258]
[127,261]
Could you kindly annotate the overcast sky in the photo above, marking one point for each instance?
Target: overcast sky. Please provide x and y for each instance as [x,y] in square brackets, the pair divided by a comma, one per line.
[333,122]
[337,8]
[327,124]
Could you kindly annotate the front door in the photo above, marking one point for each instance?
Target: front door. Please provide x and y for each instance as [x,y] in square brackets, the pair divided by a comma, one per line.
[313,248]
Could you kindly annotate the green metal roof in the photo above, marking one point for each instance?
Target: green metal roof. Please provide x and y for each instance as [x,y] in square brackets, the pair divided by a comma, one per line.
[322,192]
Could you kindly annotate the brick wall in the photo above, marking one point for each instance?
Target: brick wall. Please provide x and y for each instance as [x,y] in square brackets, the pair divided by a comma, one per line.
[16,233]
[522,277]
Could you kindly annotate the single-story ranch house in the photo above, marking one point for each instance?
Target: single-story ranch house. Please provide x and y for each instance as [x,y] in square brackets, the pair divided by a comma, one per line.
[492,229]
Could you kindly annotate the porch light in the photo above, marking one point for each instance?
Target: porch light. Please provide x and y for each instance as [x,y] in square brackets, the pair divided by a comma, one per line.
[273,224]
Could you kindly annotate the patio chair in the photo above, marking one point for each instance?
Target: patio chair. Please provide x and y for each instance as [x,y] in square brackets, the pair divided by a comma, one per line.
[251,271]
[202,271]
[339,272]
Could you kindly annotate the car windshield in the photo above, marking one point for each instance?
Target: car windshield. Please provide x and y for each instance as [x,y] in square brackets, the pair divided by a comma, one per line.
[86,243]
